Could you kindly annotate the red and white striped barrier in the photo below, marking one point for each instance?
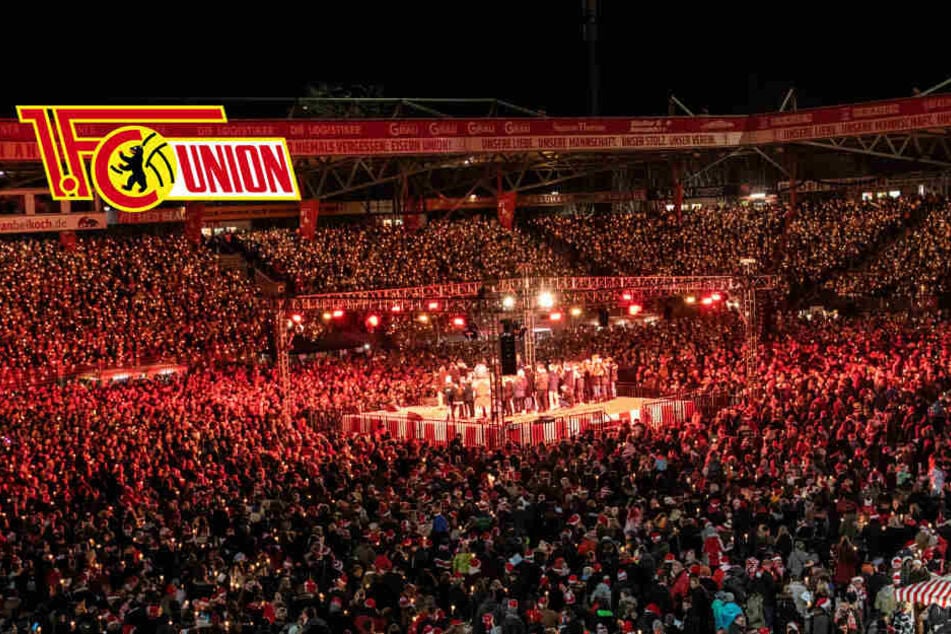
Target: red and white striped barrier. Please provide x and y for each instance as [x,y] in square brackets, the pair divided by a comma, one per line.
[552,431]
[658,413]
[425,430]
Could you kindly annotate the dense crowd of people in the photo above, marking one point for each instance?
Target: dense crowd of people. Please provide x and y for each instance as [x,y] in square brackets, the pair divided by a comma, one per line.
[916,264]
[817,240]
[355,258]
[210,500]
[190,503]
[74,307]
[112,301]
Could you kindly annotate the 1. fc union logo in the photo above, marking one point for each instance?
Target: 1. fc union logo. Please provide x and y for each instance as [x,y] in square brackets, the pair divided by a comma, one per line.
[112,150]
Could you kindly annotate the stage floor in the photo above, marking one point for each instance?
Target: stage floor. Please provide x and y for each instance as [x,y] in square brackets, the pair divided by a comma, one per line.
[613,408]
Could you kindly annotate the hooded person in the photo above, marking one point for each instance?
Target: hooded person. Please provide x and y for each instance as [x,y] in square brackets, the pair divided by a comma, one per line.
[725,610]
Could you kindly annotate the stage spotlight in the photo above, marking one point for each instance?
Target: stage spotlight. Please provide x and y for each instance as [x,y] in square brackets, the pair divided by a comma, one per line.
[373,321]
[716,297]
[297,318]
[546,299]
[555,316]
[459,322]
[508,302]
[424,318]
[690,299]
[326,316]
[337,314]
[433,305]
[634,309]
[706,301]
[396,308]
[627,296]
[576,312]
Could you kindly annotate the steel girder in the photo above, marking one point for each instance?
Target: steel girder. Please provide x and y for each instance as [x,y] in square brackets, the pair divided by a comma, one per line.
[463,295]
[928,148]
[455,175]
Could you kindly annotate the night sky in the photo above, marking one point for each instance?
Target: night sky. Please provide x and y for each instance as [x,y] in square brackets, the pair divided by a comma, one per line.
[527,52]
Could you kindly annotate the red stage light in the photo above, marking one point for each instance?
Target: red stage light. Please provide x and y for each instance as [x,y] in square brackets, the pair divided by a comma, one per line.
[396,308]
[706,301]
[555,316]
[634,309]
[627,296]
[459,322]
[433,305]
[337,314]
[373,321]
[297,318]
[716,297]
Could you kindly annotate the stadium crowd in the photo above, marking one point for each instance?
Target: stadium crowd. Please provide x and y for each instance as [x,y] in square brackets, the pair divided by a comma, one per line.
[188,504]
[355,258]
[111,301]
[917,263]
[69,308]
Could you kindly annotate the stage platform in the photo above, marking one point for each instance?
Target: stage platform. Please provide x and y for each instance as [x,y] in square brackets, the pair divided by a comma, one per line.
[431,423]
[631,406]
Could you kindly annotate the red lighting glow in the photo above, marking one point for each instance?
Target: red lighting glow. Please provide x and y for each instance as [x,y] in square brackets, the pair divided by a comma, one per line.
[396,308]
[627,296]
[297,318]
[716,297]
[337,314]
[373,321]
[555,316]
[706,301]
[634,309]
[459,322]
[433,305]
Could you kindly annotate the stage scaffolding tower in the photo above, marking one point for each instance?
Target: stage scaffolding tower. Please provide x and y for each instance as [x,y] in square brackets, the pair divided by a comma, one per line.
[527,301]
[750,319]
[281,351]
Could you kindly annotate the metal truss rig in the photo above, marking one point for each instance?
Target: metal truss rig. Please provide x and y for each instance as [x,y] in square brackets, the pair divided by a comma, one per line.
[928,147]
[462,295]
[449,175]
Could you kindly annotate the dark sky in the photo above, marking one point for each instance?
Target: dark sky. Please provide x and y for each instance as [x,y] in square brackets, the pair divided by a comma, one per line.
[529,52]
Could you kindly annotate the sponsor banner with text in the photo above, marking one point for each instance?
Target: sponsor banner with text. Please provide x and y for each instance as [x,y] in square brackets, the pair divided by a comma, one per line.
[52,222]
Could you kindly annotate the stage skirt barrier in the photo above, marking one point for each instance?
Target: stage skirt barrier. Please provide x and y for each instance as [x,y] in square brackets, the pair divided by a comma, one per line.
[659,413]
[544,430]
[437,432]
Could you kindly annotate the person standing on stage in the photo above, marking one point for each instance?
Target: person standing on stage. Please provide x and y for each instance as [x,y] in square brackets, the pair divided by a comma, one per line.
[554,383]
[458,401]
[520,391]
[468,398]
[483,397]
[580,383]
[530,403]
[597,374]
[541,388]
[568,385]
[448,395]
[612,377]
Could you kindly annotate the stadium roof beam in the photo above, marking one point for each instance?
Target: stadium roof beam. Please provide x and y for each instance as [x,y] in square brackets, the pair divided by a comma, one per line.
[895,147]
[935,88]
[329,178]
[392,107]
[697,174]
[790,98]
